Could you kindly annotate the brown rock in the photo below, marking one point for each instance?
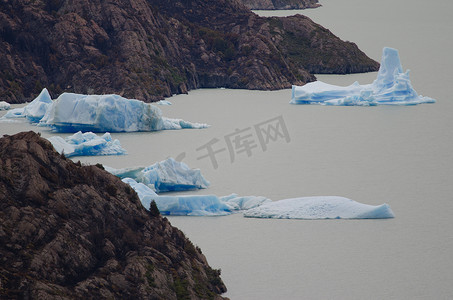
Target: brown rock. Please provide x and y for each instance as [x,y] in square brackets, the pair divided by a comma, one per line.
[70,231]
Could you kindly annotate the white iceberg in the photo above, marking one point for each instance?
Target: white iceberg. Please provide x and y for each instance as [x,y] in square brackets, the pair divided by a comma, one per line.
[187,205]
[145,193]
[194,205]
[163,102]
[107,113]
[4,105]
[392,87]
[38,107]
[87,144]
[240,203]
[322,207]
[34,111]
[14,113]
[165,176]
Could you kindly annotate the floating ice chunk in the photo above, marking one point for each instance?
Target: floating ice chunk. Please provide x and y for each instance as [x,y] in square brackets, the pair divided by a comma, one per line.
[87,144]
[192,205]
[34,111]
[237,203]
[392,87]
[145,193]
[14,113]
[38,107]
[323,207]
[166,176]
[181,124]
[134,173]
[163,102]
[4,105]
[171,175]
[113,113]
[197,205]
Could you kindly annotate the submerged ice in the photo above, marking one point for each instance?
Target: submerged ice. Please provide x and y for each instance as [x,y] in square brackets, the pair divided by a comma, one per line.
[87,144]
[321,207]
[392,87]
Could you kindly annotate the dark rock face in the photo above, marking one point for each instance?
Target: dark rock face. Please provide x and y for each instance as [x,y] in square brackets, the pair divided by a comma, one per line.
[281,4]
[153,49]
[77,232]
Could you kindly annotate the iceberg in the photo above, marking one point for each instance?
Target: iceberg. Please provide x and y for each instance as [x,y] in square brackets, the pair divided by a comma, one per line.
[14,113]
[87,144]
[163,102]
[194,205]
[4,105]
[107,113]
[34,111]
[187,205]
[239,203]
[171,175]
[391,87]
[322,207]
[145,193]
[38,107]
[165,176]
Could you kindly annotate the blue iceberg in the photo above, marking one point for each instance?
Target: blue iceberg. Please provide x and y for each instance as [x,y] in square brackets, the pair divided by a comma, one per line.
[194,205]
[4,105]
[187,205]
[14,113]
[163,102]
[165,176]
[34,111]
[107,113]
[321,207]
[38,107]
[391,87]
[240,203]
[87,144]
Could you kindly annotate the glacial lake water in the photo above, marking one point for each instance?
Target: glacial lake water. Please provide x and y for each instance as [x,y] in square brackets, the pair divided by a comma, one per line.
[387,154]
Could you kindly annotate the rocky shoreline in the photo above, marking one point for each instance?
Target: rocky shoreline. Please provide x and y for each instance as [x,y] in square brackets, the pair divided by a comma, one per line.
[149,50]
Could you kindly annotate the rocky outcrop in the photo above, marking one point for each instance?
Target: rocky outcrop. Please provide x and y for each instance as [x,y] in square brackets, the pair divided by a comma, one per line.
[281,4]
[69,231]
[152,49]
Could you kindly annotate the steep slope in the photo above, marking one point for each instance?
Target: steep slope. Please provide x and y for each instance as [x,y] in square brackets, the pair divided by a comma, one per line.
[77,232]
[151,49]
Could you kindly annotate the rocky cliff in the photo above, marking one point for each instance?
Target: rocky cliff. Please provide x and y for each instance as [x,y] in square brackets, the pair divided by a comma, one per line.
[281,4]
[77,232]
[153,49]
